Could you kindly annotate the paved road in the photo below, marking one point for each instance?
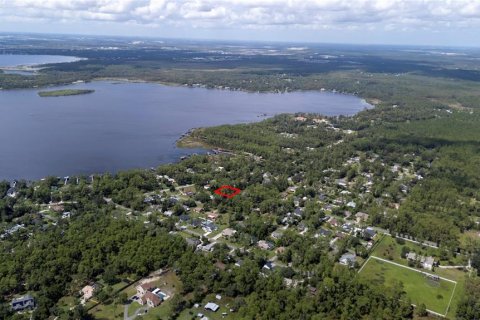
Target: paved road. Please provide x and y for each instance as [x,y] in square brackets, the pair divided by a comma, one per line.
[213,239]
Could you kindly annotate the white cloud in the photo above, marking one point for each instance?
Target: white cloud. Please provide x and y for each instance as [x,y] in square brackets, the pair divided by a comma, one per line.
[313,14]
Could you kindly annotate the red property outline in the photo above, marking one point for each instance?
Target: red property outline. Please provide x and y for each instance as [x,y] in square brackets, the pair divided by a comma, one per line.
[236,191]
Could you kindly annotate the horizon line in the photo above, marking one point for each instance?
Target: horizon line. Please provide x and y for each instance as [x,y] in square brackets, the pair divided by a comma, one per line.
[256,41]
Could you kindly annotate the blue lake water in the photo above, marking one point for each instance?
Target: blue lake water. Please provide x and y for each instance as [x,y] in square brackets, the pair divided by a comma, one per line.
[14,60]
[129,125]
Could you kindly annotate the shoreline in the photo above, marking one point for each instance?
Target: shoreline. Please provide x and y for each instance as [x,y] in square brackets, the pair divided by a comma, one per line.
[187,140]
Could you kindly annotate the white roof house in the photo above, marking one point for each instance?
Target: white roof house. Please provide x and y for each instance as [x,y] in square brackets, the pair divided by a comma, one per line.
[348,259]
[212,306]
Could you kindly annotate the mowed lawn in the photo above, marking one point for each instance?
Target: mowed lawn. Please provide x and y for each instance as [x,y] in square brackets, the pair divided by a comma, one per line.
[434,294]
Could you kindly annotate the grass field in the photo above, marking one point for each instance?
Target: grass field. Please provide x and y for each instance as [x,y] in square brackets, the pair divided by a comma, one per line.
[436,295]
[389,249]
[224,304]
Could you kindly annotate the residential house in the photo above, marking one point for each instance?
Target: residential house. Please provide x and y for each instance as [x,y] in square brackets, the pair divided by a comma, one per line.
[425,262]
[265,245]
[347,227]
[88,291]
[149,200]
[212,216]
[312,290]
[333,222]
[369,233]
[411,256]
[23,303]
[428,263]
[328,207]
[151,299]
[144,288]
[212,306]
[341,235]
[184,218]
[342,183]
[172,201]
[168,213]
[57,207]
[209,226]
[291,283]
[196,223]
[280,250]
[300,118]
[324,232]
[229,232]
[188,190]
[277,234]
[296,201]
[348,259]
[292,189]
[298,212]
[12,230]
[269,266]
[361,217]
[267,178]
[302,226]
[326,218]
[208,247]
[193,242]
[12,192]
[351,204]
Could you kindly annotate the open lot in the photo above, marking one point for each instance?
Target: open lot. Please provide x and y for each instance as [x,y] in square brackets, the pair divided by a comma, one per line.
[435,294]
[388,248]
[224,304]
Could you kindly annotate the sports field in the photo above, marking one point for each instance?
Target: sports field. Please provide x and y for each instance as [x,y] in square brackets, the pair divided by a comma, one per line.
[435,294]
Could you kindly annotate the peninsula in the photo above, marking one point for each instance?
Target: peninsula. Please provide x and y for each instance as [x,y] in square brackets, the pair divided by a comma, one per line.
[67,92]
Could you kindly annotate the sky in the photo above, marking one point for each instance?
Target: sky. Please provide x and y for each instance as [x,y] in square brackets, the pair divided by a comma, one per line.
[415,22]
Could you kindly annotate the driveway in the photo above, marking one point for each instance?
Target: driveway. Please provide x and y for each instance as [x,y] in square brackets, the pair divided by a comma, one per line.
[137,313]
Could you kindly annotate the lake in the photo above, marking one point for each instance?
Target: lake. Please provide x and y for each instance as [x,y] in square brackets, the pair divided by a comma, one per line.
[130,125]
[15,60]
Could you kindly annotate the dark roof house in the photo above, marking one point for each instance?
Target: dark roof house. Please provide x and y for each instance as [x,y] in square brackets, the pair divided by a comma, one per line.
[324,232]
[22,303]
[369,233]
[269,265]
[151,299]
